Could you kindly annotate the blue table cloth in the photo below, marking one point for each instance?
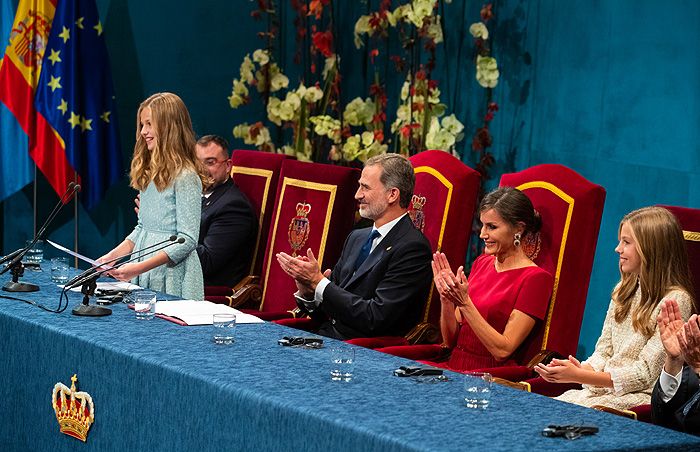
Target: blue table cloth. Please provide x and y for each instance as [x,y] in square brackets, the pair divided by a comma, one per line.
[160,386]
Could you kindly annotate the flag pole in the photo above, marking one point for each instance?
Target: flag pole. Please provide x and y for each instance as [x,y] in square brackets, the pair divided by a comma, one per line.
[34,207]
[75,220]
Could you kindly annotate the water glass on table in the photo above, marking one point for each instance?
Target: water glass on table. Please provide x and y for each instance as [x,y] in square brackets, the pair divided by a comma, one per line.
[60,270]
[144,304]
[342,362]
[34,255]
[224,328]
[477,389]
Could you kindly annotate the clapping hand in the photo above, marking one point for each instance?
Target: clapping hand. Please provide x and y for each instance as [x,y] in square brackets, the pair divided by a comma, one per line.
[670,322]
[689,342]
[452,288]
[560,370]
[304,269]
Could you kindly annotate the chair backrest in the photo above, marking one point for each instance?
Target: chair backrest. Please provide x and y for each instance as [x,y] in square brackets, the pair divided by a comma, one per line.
[256,174]
[314,208]
[443,208]
[571,208]
[689,220]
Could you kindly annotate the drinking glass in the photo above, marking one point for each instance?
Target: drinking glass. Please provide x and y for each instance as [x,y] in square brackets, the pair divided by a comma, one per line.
[34,255]
[144,304]
[477,389]
[224,329]
[342,363]
[60,270]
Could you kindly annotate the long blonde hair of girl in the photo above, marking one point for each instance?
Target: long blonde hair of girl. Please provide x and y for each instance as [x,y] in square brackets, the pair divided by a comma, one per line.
[174,150]
[664,266]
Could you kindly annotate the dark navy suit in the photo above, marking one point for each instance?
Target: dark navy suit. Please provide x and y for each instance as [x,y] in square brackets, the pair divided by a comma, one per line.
[227,236]
[682,412]
[385,296]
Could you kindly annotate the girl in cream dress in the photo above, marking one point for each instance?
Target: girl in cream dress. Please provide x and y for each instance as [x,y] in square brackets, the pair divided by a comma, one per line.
[629,356]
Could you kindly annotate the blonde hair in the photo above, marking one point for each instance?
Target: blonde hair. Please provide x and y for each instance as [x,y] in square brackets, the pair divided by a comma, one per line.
[174,149]
[659,242]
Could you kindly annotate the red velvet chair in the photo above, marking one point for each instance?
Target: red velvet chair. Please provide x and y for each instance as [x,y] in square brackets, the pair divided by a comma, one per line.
[442,207]
[689,220]
[314,208]
[256,174]
[571,208]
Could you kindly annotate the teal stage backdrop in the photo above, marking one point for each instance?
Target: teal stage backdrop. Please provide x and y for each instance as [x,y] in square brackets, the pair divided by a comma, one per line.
[608,88]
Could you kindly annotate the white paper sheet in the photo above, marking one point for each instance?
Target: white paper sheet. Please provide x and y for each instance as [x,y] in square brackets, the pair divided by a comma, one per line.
[117,285]
[194,312]
[92,262]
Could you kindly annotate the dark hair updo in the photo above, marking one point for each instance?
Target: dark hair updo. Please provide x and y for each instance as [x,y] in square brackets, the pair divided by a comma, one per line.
[514,207]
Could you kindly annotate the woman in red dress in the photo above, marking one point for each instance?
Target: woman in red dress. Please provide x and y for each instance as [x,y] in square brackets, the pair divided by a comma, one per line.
[485,318]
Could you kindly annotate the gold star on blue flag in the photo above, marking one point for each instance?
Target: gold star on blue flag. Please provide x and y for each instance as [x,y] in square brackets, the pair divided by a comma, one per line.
[78,80]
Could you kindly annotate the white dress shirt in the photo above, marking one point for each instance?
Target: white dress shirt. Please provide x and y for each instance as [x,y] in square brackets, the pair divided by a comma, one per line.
[669,384]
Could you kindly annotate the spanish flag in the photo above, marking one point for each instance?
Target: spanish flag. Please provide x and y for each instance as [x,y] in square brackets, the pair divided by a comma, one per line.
[16,167]
[56,80]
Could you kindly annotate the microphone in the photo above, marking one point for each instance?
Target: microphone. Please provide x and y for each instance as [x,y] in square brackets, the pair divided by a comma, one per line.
[15,285]
[10,256]
[142,252]
[72,188]
[94,269]
[89,284]
[70,191]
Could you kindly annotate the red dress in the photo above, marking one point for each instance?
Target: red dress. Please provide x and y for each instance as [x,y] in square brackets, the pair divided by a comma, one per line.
[496,295]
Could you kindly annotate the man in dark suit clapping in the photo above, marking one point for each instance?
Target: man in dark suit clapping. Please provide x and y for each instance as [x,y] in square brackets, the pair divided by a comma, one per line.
[675,402]
[382,278]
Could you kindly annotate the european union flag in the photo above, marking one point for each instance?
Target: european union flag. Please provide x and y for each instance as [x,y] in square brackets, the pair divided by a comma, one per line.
[76,96]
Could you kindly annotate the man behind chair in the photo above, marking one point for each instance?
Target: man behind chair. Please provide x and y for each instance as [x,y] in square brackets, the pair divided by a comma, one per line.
[382,278]
[228,228]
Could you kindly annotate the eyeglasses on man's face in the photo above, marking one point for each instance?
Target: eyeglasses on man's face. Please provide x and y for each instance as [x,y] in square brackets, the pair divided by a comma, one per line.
[213,162]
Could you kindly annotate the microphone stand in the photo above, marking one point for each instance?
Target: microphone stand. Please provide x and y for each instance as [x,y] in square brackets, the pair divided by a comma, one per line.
[16,266]
[17,271]
[89,283]
[86,309]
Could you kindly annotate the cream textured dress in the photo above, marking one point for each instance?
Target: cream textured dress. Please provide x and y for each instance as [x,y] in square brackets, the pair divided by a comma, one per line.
[177,210]
[633,360]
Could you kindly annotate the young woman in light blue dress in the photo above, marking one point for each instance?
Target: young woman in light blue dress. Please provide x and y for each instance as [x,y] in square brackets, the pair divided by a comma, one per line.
[169,178]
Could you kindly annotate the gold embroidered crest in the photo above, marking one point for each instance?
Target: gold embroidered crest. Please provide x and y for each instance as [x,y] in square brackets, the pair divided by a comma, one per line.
[74,410]
[299,228]
[29,38]
[415,211]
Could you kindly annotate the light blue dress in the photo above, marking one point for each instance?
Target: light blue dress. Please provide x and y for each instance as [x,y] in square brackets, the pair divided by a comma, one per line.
[174,211]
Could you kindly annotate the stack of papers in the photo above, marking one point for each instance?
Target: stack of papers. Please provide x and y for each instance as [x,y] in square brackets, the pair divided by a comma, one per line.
[194,312]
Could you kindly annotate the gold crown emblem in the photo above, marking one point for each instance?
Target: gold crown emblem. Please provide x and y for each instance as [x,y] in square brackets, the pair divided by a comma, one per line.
[303,209]
[74,410]
[299,227]
[418,202]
